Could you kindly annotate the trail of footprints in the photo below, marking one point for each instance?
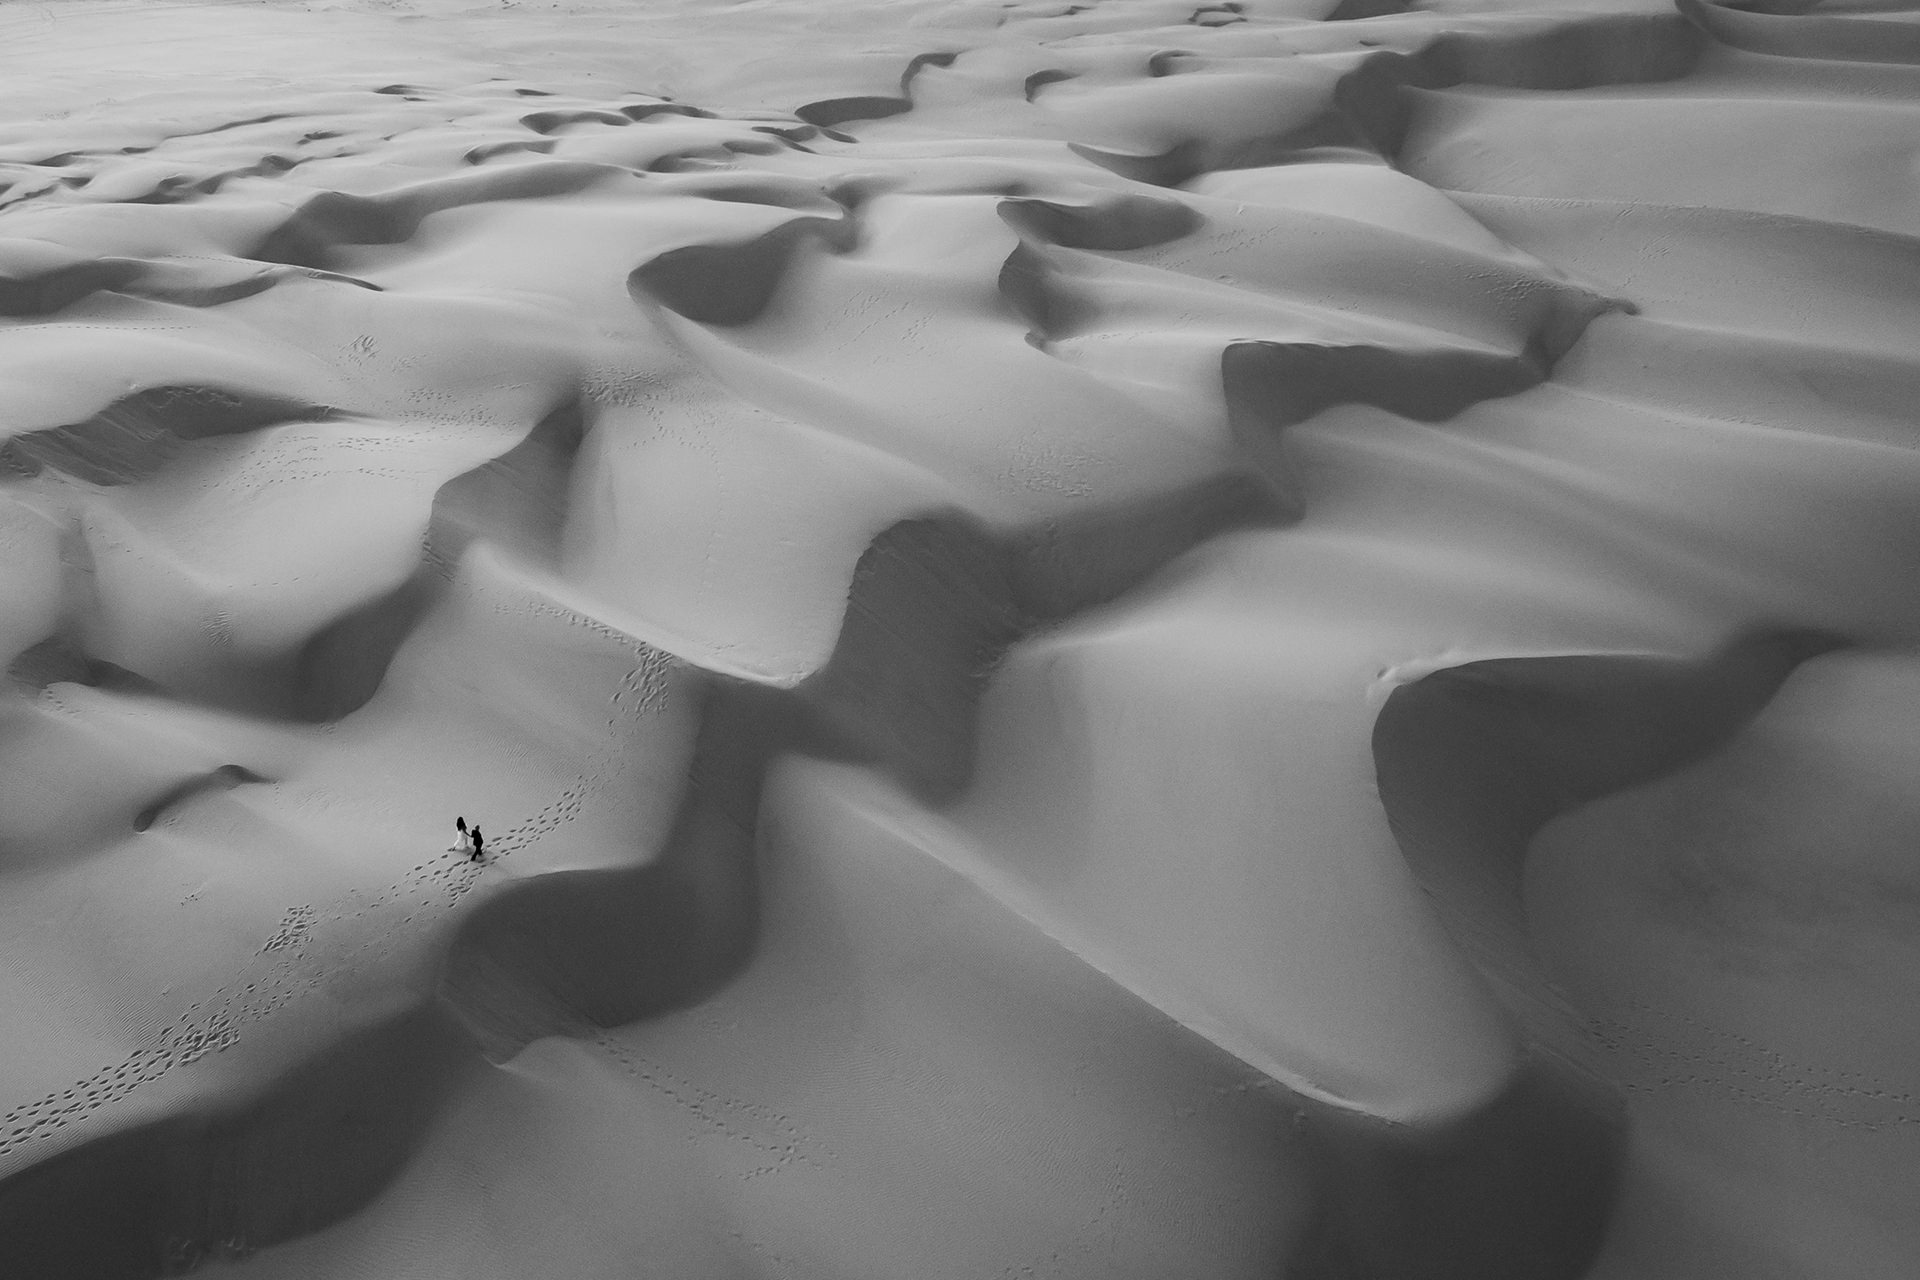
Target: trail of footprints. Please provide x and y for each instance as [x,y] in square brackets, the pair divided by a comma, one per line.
[311,945]
[286,967]
[1081,1239]
[280,972]
[1665,1050]
[561,811]
[774,1137]
[782,1145]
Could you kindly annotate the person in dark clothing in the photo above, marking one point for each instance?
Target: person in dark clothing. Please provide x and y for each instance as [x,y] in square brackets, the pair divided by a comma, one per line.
[479,843]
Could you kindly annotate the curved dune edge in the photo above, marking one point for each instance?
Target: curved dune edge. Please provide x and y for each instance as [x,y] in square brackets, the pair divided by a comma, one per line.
[134,436]
[730,284]
[517,501]
[1369,109]
[48,282]
[1787,30]
[308,1149]
[332,219]
[566,952]
[1474,759]
[1736,934]
[1472,762]
[1521,1188]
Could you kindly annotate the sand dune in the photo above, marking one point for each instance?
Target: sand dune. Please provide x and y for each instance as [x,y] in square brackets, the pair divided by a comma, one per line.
[1131,639]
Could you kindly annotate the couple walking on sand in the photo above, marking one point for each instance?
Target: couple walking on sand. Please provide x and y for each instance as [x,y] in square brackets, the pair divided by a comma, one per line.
[471,842]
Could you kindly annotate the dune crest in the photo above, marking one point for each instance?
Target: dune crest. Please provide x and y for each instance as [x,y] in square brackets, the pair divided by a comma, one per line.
[1129,639]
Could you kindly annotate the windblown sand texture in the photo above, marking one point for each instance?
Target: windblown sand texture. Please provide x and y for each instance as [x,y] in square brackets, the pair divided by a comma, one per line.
[1100,641]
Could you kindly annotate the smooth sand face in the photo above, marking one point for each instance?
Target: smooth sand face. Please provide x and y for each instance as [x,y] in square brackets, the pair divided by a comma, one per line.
[1120,640]
[1743,934]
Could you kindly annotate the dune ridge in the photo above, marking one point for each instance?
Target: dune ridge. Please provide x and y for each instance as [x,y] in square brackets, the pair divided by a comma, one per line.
[1037,601]
[572,950]
[1473,761]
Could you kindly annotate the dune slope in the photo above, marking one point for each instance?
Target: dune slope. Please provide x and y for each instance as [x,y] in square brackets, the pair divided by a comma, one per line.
[1120,639]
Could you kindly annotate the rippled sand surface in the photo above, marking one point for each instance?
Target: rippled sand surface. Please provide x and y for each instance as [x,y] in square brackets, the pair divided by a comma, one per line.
[1099,640]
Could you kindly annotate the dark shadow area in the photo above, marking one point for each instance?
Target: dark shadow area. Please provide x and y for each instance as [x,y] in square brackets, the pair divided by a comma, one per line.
[1281,384]
[518,499]
[1475,759]
[136,435]
[59,659]
[731,284]
[1472,761]
[570,951]
[310,236]
[487,151]
[1353,10]
[648,110]
[225,778]
[1121,221]
[178,188]
[831,112]
[316,1144]
[1520,1190]
[544,122]
[1217,15]
[43,292]
[933,605]
[935,602]
[1579,52]
[1032,288]
[777,191]
[920,62]
[1169,168]
[1271,386]
[1784,29]
[1039,80]
[1370,109]
[183,292]
[931,608]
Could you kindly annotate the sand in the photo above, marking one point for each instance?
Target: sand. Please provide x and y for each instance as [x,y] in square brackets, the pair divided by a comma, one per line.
[1137,639]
